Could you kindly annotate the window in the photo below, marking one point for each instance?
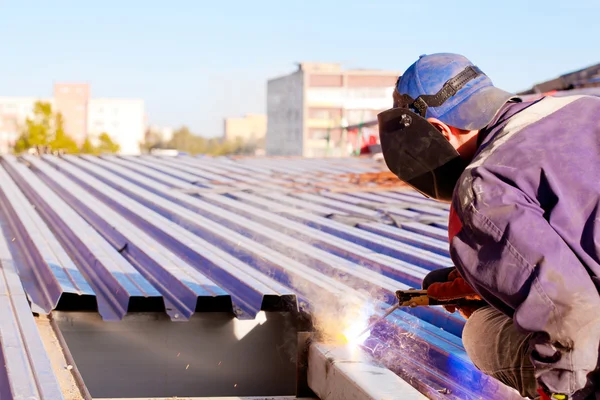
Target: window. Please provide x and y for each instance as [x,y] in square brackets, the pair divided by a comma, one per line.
[318,134]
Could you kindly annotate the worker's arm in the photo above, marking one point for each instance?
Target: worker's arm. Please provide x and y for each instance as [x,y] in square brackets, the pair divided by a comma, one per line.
[511,255]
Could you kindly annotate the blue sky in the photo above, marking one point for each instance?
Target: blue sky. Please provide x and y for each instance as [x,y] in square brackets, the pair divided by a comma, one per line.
[196,62]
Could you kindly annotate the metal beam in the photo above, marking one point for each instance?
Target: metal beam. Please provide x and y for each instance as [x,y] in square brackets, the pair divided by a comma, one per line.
[347,372]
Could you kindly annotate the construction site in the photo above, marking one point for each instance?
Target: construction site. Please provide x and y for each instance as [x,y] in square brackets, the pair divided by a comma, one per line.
[161,277]
[194,277]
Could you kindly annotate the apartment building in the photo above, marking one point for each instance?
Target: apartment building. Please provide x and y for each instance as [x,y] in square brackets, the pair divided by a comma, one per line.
[123,119]
[71,100]
[308,109]
[249,128]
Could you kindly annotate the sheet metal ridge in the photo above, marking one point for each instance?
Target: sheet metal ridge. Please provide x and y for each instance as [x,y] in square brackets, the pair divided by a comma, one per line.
[401,206]
[312,235]
[200,169]
[229,162]
[180,284]
[400,272]
[232,167]
[283,242]
[283,198]
[174,172]
[266,180]
[410,238]
[113,278]
[302,274]
[207,173]
[46,268]
[338,205]
[146,171]
[409,253]
[413,199]
[261,251]
[315,233]
[26,371]
[362,279]
[227,271]
[184,213]
[424,229]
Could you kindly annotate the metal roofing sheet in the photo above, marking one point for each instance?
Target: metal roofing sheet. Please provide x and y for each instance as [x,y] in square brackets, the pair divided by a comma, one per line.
[26,372]
[185,234]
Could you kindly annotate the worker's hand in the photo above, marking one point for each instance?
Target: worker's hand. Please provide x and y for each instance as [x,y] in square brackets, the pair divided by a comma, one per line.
[454,288]
[544,395]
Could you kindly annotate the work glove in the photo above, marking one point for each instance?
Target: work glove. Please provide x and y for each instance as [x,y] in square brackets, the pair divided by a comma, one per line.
[446,285]
[544,395]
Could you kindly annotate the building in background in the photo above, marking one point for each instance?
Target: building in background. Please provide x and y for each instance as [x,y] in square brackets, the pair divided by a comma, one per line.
[71,100]
[163,134]
[250,128]
[13,113]
[308,109]
[124,120]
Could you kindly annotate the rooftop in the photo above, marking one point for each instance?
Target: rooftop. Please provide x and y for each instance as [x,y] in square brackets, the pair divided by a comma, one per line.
[237,250]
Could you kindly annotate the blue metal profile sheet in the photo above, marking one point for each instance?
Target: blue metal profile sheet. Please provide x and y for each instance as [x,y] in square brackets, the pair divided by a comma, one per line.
[26,371]
[189,234]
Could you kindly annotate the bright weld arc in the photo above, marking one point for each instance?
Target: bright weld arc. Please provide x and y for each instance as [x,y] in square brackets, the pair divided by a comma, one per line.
[355,333]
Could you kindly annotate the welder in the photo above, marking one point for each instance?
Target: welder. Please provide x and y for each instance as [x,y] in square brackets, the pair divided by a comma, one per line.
[523,180]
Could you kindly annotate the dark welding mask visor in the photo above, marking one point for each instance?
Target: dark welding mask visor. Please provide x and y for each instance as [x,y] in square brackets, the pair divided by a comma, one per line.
[416,152]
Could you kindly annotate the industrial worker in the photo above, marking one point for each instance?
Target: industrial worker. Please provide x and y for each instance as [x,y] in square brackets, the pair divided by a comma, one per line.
[523,180]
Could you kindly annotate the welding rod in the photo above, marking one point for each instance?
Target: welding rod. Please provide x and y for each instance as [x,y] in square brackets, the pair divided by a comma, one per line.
[384,316]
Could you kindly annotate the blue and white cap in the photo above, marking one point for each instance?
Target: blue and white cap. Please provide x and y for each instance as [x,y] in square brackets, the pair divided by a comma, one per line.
[471,108]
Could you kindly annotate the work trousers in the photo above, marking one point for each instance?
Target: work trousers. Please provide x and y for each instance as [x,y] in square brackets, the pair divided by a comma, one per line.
[498,349]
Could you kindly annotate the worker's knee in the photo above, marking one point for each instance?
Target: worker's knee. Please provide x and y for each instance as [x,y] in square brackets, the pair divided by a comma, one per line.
[481,352]
[498,349]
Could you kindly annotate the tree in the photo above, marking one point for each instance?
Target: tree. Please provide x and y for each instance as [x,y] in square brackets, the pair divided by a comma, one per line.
[88,147]
[62,141]
[184,140]
[45,128]
[152,140]
[106,144]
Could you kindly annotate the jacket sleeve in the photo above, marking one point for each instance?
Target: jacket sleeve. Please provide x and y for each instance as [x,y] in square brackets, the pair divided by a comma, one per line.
[511,255]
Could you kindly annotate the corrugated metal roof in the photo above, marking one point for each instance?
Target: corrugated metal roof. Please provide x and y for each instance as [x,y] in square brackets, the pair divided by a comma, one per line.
[190,234]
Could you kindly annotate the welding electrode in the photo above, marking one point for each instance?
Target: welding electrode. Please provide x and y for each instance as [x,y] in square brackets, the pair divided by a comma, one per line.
[384,316]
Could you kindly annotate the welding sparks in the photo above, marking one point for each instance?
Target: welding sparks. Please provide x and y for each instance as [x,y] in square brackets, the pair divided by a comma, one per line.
[187,366]
[355,334]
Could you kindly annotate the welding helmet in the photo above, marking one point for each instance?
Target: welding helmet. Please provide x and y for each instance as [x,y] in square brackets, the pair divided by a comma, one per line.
[447,87]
